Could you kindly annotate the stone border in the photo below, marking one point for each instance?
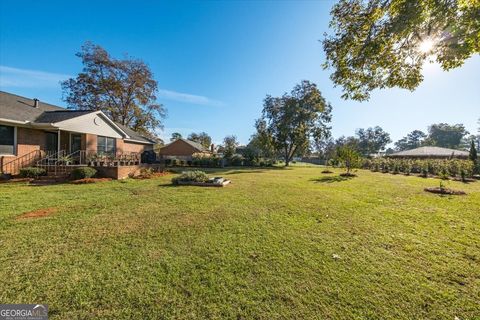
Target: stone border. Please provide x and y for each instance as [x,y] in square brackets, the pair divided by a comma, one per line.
[203,184]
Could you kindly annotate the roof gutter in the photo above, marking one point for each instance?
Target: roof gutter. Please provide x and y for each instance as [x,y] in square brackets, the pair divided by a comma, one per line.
[43,125]
[138,141]
[13,121]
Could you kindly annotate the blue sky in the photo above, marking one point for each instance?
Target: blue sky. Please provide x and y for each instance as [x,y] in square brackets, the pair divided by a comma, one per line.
[215,62]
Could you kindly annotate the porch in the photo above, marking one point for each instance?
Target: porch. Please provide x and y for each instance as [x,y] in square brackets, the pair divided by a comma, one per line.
[56,151]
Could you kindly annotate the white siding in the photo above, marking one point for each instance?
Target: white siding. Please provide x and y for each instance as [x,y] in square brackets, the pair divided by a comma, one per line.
[91,123]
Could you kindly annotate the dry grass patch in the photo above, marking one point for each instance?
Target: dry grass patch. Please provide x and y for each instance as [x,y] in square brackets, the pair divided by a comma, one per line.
[40,213]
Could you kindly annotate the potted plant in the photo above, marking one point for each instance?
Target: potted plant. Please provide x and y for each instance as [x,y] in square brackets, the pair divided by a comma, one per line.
[67,160]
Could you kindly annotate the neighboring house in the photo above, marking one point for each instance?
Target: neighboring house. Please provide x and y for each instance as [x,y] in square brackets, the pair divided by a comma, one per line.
[430,153]
[183,149]
[30,130]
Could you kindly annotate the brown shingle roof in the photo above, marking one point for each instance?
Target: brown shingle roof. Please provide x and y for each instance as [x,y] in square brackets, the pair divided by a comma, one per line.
[18,108]
[433,152]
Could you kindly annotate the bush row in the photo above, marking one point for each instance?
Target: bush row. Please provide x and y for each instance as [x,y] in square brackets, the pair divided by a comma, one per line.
[452,167]
[77,173]
[219,162]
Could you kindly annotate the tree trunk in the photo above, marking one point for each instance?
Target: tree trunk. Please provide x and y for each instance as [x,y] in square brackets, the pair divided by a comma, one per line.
[287,157]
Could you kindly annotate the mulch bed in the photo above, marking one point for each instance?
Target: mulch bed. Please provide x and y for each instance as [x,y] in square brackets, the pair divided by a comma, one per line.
[90,180]
[37,213]
[327,171]
[16,180]
[348,175]
[439,190]
[151,176]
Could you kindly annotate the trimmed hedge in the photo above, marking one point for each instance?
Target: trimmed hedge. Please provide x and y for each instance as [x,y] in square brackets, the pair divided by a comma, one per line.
[83,173]
[32,172]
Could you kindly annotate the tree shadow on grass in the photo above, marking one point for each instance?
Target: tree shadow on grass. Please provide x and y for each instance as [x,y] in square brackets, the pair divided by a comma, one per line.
[330,179]
[168,185]
[244,171]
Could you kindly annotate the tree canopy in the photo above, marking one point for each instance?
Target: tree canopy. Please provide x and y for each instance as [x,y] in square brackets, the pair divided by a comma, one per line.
[385,43]
[445,135]
[203,138]
[293,120]
[124,89]
[175,136]
[230,145]
[372,140]
[413,140]
[262,141]
[348,157]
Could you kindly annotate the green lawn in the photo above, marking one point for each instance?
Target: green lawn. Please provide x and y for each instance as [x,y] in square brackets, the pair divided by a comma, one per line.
[264,247]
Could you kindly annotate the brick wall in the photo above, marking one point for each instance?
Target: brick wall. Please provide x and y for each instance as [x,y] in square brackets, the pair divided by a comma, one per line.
[136,147]
[178,148]
[123,172]
[91,142]
[28,140]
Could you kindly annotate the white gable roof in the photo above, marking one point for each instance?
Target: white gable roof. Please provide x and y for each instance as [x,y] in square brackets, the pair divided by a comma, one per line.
[93,123]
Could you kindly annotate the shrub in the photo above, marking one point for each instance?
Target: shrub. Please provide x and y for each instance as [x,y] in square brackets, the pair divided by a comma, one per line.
[236,160]
[191,176]
[452,167]
[83,173]
[146,173]
[32,172]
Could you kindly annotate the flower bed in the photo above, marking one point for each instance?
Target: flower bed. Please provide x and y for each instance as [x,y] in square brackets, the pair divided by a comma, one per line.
[90,180]
[199,178]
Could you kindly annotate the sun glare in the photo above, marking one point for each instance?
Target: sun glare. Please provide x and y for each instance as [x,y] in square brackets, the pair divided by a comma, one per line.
[426,45]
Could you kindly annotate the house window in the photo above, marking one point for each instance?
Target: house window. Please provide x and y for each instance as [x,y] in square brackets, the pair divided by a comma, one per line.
[105,145]
[7,140]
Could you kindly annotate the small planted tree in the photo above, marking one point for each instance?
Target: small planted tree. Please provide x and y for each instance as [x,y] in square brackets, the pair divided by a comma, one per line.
[349,158]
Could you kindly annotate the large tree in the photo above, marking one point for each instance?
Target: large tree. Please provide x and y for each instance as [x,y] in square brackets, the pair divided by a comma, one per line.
[203,138]
[124,89]
[372,140]
[230,144]
[385,43]
[262,141]
[445,135]
[295,119]
[413,140]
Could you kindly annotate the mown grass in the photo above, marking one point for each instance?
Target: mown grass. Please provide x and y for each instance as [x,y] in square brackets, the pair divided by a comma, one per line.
[291,243]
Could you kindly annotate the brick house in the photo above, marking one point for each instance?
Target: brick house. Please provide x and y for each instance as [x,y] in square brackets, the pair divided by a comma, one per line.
[32,131]
[183,149]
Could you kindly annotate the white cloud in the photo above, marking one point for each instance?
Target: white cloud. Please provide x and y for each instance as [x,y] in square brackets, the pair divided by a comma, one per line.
[188,98]
[25,78]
